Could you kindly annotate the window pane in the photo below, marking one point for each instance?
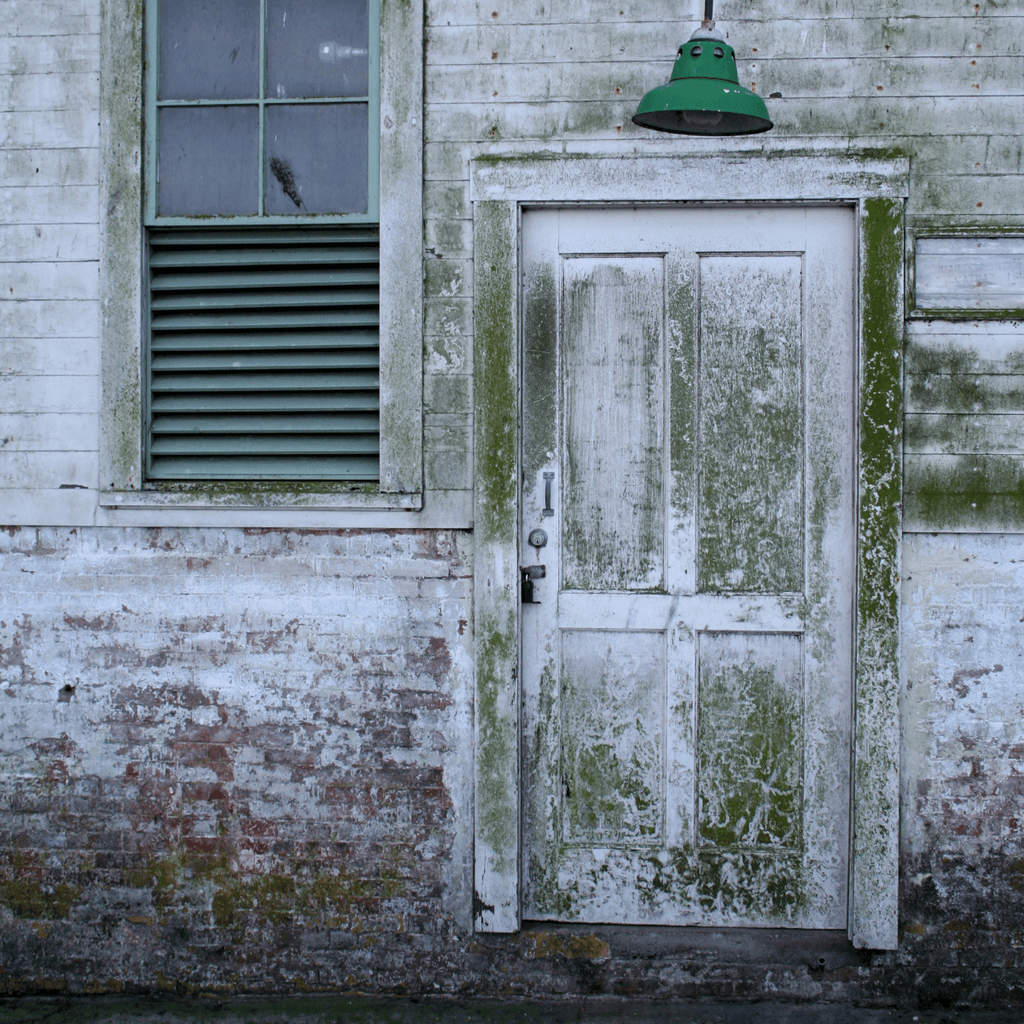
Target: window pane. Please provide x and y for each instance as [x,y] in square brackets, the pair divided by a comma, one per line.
[316,158]
[209,161]
[209,49]
[317,48]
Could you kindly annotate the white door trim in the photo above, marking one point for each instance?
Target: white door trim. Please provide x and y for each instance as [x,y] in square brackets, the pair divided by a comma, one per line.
[876,187]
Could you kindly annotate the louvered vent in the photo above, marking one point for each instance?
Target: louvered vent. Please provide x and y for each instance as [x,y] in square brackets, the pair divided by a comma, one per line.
[263,355]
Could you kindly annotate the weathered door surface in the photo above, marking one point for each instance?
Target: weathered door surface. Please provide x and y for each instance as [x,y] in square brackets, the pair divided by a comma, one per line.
[688,419]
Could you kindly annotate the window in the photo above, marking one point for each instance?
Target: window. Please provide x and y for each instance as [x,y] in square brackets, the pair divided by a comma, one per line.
[277,177]
[261,358]
[260,110]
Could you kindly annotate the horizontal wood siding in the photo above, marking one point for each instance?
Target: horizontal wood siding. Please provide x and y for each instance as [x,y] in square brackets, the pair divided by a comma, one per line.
[940,81]
[964,427]
[49,251]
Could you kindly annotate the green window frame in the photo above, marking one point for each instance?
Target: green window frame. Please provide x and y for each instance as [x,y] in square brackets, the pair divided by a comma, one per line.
[126,495]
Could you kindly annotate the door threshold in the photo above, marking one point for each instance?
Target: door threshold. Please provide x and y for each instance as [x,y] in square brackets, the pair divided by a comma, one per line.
[817,949]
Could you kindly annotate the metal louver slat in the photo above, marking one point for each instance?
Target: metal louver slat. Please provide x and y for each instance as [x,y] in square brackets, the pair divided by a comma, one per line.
[263,355]
[239,341]
[242,405]
[312,359]
[305,277]
[261,297]
[192,259]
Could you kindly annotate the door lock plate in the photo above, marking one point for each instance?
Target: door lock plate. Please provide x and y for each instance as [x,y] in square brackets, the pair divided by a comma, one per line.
[528,574]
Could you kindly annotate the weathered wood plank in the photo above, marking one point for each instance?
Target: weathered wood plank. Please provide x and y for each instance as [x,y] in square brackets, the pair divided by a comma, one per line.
[982,493]
[41,54]
[794,77]
[447,278]
[39,168]
[23,394]
[51,281]
[868,117]
[751,489]
[448,238]
[65,91]
[964,393]
[65,204]
[964,434]
[445,162]
[612,354]
[968,154]
[448,469]
[61,470]
[447,200]
[488,12]
[496,576]
[49,318]
[848,38]
[447,432]
[41,507]
[46,129]
[971,272]
[59,356]
[54,432]
[33,18]
[448,353]
[451,316]
[447,394]
[49,242]
[958,348]
[980,194]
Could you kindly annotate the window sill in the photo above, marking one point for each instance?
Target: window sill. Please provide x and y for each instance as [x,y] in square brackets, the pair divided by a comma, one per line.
[257,496]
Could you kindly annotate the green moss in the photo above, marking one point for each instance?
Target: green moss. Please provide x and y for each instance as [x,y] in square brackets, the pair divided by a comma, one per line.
[494,379]
[540,349]
[881,404]
[682,394]
[35,900]
[240,901]
[496,800]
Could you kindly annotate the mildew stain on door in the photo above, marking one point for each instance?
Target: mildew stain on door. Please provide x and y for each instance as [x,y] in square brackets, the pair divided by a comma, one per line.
[687,672]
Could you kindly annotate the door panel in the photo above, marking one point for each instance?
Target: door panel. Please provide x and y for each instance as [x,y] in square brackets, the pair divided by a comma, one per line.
[688,448]
[611,368]
[751,536]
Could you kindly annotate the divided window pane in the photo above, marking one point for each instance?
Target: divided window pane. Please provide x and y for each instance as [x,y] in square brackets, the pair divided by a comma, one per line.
[292,94]
[209,49]
[317,48]
[208,160]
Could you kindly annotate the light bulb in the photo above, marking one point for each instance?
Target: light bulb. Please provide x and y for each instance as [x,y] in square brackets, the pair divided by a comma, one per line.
[702,118]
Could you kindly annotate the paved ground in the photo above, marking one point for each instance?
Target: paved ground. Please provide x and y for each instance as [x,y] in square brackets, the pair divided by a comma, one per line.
[337,1010]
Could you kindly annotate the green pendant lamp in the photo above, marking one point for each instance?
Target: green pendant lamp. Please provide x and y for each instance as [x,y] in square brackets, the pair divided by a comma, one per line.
[704,95]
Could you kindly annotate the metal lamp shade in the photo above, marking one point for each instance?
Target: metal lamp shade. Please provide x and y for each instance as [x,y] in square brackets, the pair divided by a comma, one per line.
[704,96]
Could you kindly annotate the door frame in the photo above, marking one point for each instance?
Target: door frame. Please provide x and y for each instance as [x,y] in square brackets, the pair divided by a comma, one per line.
[875,186]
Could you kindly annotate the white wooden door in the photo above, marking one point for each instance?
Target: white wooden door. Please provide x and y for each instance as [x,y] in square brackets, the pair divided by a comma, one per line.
[688,418]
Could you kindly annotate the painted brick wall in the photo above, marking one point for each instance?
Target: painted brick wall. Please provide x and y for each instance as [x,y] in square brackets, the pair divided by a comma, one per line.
[963,758]
[222,749]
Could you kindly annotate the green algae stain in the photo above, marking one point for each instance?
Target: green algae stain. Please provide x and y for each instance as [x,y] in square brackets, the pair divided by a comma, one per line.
[750,739]
[495,379]
[38,901]
[496,800]
[239,902]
